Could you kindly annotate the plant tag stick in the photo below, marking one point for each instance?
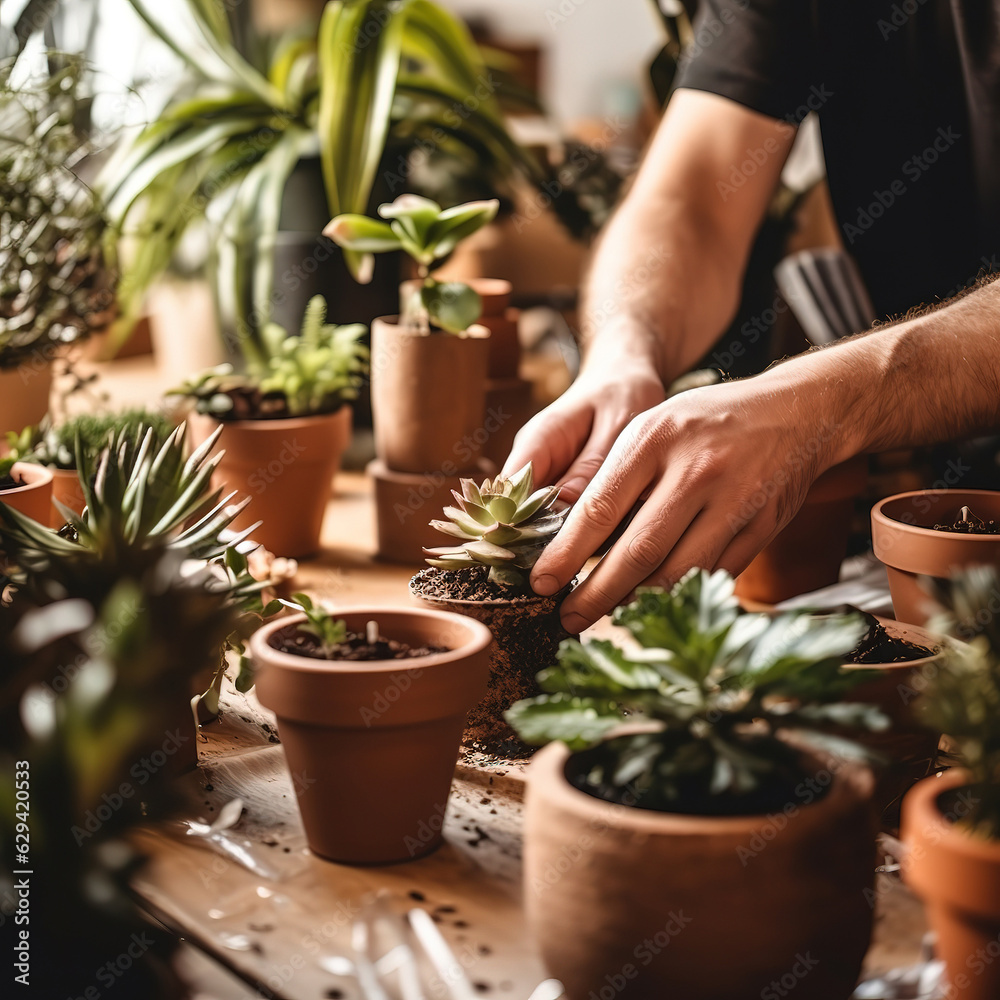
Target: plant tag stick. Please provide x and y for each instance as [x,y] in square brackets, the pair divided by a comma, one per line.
[372,633]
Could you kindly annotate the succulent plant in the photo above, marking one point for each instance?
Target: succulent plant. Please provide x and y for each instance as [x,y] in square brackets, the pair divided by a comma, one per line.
[714,686]
[306,375]
[54,445]
[428,233]
[503,523]
[320,622]
[56,285]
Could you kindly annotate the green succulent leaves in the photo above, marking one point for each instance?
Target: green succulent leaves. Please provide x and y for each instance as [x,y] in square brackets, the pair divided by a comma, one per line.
[504,524]
[420,228]
[712,683]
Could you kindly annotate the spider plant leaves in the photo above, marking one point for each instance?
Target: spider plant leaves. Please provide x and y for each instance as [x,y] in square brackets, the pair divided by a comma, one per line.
[439,40]
[577,721]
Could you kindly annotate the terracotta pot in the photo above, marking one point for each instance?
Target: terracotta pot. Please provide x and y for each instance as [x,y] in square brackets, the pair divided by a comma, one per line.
[24,394]
[67,489]
[643,905]
[372,746]
[909,750]
[287,467]
[527,632]
[806,554]
[957,875]
[428,398]
[501,320]
[903,537]
[509,406]
[34,499]
[404,504]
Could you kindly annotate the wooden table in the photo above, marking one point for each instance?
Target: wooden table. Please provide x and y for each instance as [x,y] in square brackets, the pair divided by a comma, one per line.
[261,904]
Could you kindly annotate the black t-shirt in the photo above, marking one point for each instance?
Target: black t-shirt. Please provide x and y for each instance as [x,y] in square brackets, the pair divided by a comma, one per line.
[908,98]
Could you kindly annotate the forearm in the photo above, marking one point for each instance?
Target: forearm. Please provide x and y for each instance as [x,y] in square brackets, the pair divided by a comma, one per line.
[929,379]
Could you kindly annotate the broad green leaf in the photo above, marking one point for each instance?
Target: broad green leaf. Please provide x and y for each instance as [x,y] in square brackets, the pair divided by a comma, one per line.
[361,234]
[578,722]
[451,305]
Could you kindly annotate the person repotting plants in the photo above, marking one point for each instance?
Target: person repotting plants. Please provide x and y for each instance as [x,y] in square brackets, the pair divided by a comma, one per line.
[933,533]
[54,446]
[285,423]
[26,488]
[499,529]
[429,368]
[371,704]
[723,820]
[951,821]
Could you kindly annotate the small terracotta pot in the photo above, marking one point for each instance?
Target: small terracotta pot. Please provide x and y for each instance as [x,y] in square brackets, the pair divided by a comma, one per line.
[34,499]
[527,630]
[806,554]
[957,875]
[67,489]
[24,394]
[909,750]
[509,406]
[286,467]
[903,537]
[428,398]
[372,746]
[645,905]
[404,505]
[501,320]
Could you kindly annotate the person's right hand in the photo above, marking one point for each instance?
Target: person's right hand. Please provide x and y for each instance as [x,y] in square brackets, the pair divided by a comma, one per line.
[569,440]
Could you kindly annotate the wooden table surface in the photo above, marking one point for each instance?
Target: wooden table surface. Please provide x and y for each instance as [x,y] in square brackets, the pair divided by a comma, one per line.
[257,901]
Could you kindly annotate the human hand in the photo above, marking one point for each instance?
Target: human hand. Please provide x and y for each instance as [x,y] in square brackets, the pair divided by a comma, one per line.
[568,441]
[718,471]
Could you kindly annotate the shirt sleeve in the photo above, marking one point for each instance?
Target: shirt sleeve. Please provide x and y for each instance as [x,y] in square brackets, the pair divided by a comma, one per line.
[755,52]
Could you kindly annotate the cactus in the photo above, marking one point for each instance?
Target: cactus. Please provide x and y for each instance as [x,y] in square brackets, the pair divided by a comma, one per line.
[504,524]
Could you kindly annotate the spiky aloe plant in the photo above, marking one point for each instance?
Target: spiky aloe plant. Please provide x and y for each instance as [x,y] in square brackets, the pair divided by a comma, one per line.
[504,524]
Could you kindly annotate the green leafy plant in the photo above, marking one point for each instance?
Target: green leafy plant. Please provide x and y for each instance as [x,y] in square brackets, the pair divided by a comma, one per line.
[714,688]
[329,631]
[428,233]
[56,445]
[313,373]
[226,153]
[962,697]
[6,464]
[142,501]
[502,523]
[56,281]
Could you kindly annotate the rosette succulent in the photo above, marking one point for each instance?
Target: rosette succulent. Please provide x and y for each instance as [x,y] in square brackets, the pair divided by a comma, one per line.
[504,524]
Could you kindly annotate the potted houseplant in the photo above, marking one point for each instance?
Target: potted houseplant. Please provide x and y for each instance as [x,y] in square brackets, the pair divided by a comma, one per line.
[930,533]
[54,446]
[721,814]
[25,487]
[371,703]
[285,422]
[499,529]
[56,281]
[951,822]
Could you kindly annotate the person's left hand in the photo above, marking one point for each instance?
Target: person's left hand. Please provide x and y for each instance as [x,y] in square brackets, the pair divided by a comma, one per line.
[718,470]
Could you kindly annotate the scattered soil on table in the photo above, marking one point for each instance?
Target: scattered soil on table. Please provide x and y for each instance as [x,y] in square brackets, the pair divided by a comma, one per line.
[877,646]
[354,648]
[966,523]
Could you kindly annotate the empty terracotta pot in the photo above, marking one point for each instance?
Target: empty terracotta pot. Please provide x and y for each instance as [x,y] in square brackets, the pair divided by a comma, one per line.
[903,537]
[428,398]
[404,505]
[957,875]
[806,554]
[286,467]
[34,498]
[24,393]
[527,630]
[501,320]
[641,905]
[372,746]
[67,489]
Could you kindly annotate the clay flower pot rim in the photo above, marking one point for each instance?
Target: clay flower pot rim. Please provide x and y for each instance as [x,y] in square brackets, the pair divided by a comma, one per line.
[33,475]
[958,537]
[476,331]
[556,756]
[912,633]
[924,798]
[275,423]
[479,638]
